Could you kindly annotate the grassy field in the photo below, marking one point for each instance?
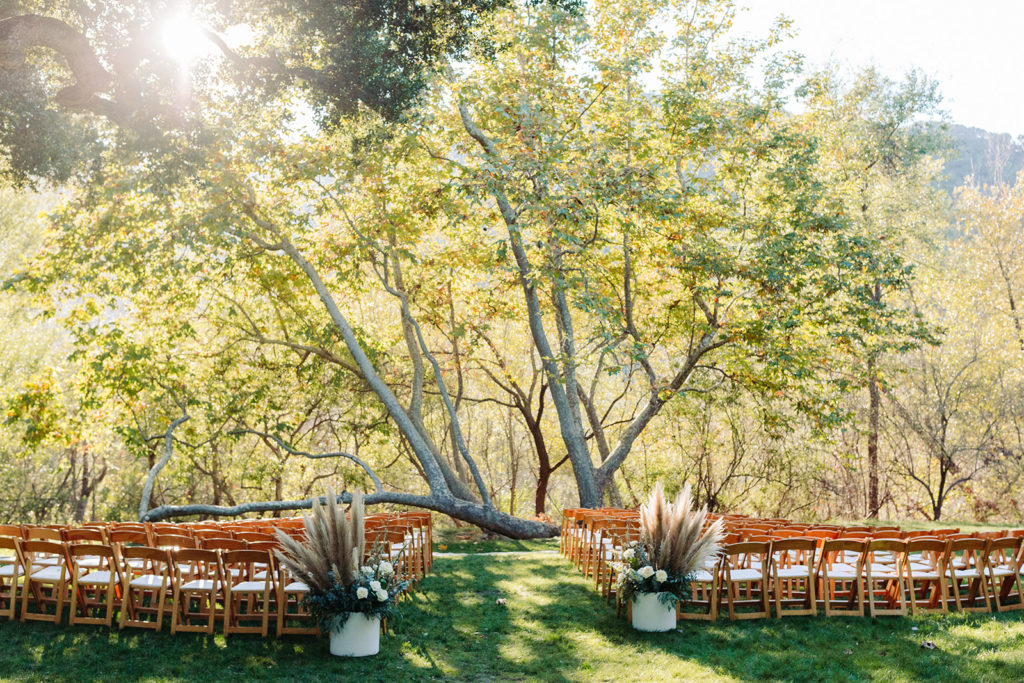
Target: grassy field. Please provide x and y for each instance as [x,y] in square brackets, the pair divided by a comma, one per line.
[551,626]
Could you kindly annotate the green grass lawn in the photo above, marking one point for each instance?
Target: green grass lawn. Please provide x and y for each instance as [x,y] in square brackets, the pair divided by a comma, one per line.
[552,626]
[449,539]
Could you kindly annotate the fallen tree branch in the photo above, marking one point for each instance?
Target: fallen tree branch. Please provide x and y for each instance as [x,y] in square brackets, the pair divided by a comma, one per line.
[487,518]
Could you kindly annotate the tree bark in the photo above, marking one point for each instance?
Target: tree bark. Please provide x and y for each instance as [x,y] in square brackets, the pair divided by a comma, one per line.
[488,518]
[147,489]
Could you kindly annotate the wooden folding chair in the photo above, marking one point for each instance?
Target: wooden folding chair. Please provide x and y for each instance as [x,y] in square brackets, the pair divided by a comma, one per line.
[290,594]
[146,580]
[968,578]
[792,560]
[744,570]
[704,594]
[841,571]
[885,565]
[926,563]
[246,598]
[12,569]
[197,587]
[94,582]
[1003,562]
[46,580]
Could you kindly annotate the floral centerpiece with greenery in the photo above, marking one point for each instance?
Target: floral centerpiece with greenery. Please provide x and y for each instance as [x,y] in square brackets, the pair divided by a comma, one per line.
[673,546]
[330,561]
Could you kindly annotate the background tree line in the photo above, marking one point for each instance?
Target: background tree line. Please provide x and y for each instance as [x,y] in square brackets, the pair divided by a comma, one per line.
[579,249]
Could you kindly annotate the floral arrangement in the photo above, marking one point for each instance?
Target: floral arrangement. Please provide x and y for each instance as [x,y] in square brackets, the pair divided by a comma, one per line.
[330,562]
[638,575]
[373,592]
[673,545]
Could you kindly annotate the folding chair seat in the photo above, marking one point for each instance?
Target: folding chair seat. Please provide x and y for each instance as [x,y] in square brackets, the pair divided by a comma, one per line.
[197,588]
[12,570]
[146,580]
[968,578]
[791,568]
[841,571]
[744,566]
[885,565]
[45,582]
[926,563]
[1003,562]
[246,598]
[94,582]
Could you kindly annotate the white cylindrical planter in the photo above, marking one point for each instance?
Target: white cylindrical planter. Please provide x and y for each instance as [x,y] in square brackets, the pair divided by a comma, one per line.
[651,615]
[359,637]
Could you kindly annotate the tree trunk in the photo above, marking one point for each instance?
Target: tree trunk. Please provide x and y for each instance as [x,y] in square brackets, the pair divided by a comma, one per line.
[874,401]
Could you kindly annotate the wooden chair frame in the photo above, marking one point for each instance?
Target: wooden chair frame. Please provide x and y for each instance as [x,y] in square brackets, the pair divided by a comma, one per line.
[146,580]
[853,581]
[93,584]
[894,578]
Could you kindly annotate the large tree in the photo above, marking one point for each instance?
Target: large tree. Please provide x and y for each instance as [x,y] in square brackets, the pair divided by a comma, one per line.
[658,241]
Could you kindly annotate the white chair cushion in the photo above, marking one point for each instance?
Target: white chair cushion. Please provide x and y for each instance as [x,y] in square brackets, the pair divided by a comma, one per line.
[971,573]
[96,578]
[745,575]
[146,581]
[705,576]
[47,574]
[296,587]
[7,570]
[198,585]
[791,573]
[249,587]
[840,570]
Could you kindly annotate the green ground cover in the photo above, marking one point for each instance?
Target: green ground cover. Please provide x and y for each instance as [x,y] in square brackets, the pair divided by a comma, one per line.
[550,625]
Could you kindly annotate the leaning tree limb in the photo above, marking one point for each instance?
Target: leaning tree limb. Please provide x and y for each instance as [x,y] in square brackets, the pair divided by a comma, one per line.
[485,517]
[438,379]
[316,456]
[147,489]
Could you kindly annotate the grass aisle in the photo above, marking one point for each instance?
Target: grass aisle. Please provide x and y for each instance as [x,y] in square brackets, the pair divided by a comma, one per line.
[552,626]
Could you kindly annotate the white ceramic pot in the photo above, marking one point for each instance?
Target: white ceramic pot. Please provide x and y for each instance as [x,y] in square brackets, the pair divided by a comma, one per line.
[651,615]
[359,637]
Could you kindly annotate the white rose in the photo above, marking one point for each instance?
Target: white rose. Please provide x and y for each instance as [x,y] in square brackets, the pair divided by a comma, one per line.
[385,568]
[647,571]
[375,586]
[382,595]
[661,576]
[361,593]
[628,554]
[367,571]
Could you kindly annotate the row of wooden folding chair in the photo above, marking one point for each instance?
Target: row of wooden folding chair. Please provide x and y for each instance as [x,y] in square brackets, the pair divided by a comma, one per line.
[236,586]
[887,576]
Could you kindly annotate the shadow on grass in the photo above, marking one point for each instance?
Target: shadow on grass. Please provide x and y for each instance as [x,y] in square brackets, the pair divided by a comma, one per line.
[533,617]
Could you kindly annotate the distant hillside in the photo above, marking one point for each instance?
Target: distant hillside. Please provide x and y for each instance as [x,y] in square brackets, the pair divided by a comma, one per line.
[990,157]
